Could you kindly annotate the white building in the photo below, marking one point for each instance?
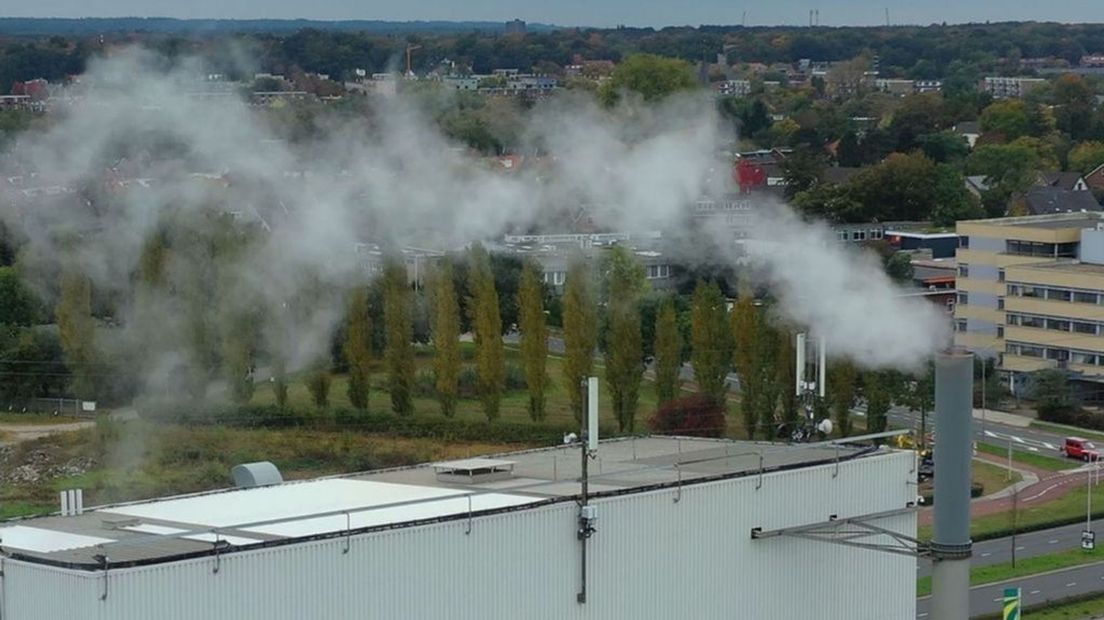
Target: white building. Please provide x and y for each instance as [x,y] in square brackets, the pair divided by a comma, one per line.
[1005,87]
[683,528]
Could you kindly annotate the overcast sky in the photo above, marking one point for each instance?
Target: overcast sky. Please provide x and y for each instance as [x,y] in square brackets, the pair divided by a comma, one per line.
[580,12]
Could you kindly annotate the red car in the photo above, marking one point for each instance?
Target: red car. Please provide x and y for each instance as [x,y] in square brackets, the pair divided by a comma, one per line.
[1077,448]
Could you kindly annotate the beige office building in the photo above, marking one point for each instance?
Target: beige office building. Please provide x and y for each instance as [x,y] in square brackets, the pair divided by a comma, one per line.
[1031,293]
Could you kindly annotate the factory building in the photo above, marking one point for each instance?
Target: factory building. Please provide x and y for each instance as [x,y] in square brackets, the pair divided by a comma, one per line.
[669,528]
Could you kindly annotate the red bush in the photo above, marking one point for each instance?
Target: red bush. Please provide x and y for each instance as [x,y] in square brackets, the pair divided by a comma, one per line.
[693,416]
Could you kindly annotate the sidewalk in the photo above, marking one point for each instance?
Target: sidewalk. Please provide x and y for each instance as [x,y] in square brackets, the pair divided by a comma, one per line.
[1003,417]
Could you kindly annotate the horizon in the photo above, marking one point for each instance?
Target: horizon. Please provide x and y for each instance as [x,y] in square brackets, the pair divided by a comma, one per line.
[852,13]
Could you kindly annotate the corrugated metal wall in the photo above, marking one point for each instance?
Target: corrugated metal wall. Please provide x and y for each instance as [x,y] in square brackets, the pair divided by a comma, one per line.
[650,558]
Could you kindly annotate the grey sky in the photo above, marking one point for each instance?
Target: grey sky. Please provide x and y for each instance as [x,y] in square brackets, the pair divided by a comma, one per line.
[580,12]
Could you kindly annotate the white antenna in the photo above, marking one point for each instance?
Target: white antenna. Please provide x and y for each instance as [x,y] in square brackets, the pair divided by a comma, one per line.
[592,414]
[800,374]
[822,367]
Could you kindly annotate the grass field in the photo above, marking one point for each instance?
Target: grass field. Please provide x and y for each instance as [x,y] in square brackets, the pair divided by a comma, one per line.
[1027,566]
[992,477]
[1065,509]
[1082,609]
[1049,463]
[36,419]
[1068,430]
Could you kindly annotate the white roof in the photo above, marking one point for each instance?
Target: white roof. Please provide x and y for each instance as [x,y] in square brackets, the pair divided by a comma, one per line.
[293,509]
[476,463]
[45,541]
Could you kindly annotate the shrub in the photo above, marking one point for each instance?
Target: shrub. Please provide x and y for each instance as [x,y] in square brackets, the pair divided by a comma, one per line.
[515,378]
[467,384]
[425,384]
[693,416]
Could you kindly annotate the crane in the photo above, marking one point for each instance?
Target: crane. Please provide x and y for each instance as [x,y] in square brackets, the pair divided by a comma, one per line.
[410,48]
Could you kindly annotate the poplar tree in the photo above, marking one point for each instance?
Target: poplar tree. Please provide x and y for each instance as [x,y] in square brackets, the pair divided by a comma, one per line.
[75,327]
[711,339]
[787,376]
[534,337]
[490,360]
[446,338]
[668,352]
[841,393]
[744,326]
[358,348]
[877,387]
[580,324]
[399,332]
[624,350]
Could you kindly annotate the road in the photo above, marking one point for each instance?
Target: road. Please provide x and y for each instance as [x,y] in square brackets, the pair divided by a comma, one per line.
[1035,590]
[1028,545]
[1024,439]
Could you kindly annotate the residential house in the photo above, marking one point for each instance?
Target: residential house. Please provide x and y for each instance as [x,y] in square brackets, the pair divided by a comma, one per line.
[977,184]
[970,130]
[1044,200]
[1095,180]
[1071,181]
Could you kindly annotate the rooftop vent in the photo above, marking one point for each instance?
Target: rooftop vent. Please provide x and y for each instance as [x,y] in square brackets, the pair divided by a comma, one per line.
[471,471]
[260,474]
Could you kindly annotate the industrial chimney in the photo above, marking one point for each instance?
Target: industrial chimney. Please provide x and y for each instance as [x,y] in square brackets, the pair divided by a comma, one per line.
[951,546]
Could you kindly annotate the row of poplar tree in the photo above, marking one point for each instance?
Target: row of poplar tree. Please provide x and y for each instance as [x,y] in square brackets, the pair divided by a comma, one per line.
[748,340]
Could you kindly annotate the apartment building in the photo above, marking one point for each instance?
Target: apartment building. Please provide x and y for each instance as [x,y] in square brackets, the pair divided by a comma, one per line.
[1005,87]
[1031,293]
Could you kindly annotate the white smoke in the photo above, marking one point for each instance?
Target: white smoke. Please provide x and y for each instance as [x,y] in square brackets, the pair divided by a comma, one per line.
[391,176]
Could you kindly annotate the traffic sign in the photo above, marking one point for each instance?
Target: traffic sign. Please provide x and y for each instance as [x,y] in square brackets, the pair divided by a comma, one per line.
[1011,604]
[1088,540]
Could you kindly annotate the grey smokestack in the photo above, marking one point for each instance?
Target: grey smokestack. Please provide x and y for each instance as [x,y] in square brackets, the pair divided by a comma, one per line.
[951,544]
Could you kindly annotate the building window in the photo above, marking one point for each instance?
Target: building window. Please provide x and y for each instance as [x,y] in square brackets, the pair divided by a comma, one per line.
[842,234]
[1000,303]
[1055,294]
[1085,328]
[1015,290]
[1058,325]
[1012,319]
[1000,275]
[1033,291]
[964,241]
[960,325]
[1032,321]
[876,233]
[963,299]
[658,271]
[1000,331]
[858,235]
[964,271]
[1082,297]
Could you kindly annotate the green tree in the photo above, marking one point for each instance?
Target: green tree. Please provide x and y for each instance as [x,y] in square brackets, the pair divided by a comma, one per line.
[358,348]
[787,380]
[762,386]
[1008,117]
[1073,105]
[318,384]
[841,392]
[534,337]
[399,352]
[878,390]
[898,267]
[744,325]
[1086,157]
[75,329]
[668,352]
[238,341]
[802,170]
[711,339]
[918,395]
[18,306]
[446,338]
[1053,394]
[653,77]
[624,348]
[490,360]
[580,323]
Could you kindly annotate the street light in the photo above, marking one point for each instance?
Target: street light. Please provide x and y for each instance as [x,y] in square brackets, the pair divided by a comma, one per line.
[1088,537]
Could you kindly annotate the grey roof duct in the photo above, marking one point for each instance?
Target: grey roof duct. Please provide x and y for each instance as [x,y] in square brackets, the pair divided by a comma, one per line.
[259,474]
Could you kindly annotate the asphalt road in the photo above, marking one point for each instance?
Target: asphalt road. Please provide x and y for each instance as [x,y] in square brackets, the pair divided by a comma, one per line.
[1038,589]
[1022,439]
[1027,545]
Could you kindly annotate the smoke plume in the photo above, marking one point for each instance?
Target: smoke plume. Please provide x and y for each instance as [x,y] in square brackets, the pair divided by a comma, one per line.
[146,158]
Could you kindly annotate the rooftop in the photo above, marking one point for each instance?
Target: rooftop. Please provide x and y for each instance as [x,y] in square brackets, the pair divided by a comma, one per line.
[1070,266]
[1075,219]
[175,528]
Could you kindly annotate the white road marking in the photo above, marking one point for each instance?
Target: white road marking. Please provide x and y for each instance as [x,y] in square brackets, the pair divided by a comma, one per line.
[1032,448]
[1019,548]
[1070,585]
[1050,446]
[991,434]
[1051,542]
[925,614]
[1017,439]
[985,555]
[1033,592]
